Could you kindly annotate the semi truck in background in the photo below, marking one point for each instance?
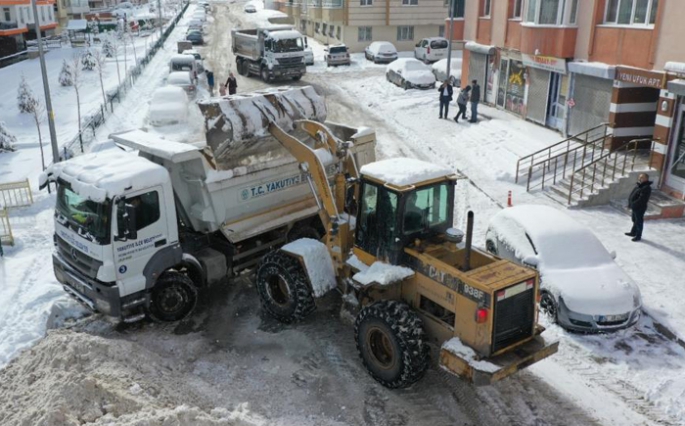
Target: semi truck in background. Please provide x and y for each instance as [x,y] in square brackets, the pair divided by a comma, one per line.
[139,230]
[271,53]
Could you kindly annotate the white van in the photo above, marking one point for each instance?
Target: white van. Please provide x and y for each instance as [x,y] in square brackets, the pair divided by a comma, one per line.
[184,63]
[431,49]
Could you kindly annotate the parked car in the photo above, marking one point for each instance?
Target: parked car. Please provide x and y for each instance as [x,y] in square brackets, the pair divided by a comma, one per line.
[337,55]
[199,15]
[431,49]
[182,79]
[169,106]
[199,63]
[410,73]
[440,71]
[250,8]
[195,37]
[183,63]
[581,286]
[380,52]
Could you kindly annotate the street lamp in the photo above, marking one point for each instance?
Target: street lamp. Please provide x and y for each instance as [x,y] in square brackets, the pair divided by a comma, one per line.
[46,86]
[453,5]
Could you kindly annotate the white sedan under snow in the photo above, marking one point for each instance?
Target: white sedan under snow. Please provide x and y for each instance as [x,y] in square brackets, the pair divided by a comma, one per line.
[410,73]
[582,287]
[380,51]
[169,106]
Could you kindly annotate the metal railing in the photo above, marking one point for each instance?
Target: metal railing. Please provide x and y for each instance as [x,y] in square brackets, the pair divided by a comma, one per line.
[541,160]
[5,229]
[15,194]
[589,174]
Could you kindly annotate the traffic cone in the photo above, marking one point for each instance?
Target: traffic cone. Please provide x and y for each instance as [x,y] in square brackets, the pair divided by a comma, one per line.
[509,203]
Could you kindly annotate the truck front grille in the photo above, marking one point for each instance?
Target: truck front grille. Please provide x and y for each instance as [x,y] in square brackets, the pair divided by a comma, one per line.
[77,259]
[514,319]
[290,62]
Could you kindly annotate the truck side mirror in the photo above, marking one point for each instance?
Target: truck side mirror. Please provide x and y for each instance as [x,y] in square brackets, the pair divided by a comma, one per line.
[126,221]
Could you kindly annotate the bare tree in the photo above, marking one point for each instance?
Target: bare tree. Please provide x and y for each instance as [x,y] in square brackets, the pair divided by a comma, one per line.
[28,103]
[100,59]
[76,78]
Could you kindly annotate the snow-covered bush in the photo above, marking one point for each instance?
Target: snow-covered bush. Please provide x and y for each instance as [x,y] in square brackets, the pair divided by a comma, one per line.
[6,139]
[66,77]
[26,100]
[108,47]
[87,60]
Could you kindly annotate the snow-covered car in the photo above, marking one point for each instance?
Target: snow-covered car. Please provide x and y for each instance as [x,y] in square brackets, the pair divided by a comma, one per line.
[184,62]
[250,8]
[410,73]
[201,16]
[199,63]
[380,52]
[337,55]
[581,286]
[182,79]
[169,106]
[440,71]
[431,49]
[195,37]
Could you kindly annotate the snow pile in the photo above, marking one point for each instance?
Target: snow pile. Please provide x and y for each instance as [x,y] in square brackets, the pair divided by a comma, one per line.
[74,378]
[404,171]
[318,262]
[455,346]
[284,35]
[363,131]
[378,273]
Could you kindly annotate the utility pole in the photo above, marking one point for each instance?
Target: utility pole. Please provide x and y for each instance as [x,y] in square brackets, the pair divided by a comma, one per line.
[159,12]
[453,5]
[46,86]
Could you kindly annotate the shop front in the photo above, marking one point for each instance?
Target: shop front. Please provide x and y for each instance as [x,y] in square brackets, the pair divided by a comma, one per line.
[674,165]
[548,85]
[589,103]
[511,90]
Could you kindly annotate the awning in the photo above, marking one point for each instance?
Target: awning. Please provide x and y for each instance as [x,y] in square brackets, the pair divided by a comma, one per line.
[480,48]
[677,87]
[77,25]
[593,69]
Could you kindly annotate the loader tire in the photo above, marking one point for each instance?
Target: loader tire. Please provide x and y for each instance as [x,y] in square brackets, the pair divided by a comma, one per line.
[303,231]
[392,343]
[284,288]
[173,297]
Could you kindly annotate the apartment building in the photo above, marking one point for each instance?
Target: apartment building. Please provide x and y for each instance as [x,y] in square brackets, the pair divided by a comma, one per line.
[359,22]
[17,24]
[574,64]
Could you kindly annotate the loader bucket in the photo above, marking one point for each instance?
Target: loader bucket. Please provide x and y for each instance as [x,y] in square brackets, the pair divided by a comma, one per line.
[236,126]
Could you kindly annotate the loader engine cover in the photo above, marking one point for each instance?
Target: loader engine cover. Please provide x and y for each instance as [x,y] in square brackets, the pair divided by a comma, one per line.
[236,126]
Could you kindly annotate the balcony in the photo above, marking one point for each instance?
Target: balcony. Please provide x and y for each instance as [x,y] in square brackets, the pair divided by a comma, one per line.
[75,7]
[11,28]
[457,29]
[620,45]
[556,41]
[513,34]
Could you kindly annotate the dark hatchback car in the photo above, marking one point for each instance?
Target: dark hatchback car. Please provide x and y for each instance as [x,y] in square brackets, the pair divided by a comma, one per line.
[195,37]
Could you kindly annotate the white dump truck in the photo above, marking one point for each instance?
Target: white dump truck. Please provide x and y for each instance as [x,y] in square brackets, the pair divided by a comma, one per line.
[139,229]
[272,53]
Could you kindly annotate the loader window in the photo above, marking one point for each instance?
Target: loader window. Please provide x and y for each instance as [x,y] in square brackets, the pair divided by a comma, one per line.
[426,208]
[376,226]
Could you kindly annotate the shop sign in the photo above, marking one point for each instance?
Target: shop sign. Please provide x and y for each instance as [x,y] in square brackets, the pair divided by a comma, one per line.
[547,63]
[641,77]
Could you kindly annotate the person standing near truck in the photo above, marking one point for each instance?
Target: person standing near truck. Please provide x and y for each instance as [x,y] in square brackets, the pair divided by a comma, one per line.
[210,81]
[475,99]
[445,97]
[231,84]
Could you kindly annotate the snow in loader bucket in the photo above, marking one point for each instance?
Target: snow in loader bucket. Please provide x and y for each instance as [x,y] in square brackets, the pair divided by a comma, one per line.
[461,360]
[237,126]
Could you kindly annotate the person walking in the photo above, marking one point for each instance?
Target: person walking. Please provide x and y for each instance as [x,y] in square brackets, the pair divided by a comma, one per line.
[231,84]
[462,100]
[210,81]
[637,202]
[475,99]
[446,93]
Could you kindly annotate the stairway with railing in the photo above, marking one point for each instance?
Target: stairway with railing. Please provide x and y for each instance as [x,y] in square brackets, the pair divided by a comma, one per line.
[577,167]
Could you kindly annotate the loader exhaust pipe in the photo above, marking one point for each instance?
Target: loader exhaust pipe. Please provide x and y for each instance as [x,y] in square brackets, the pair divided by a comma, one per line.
[469,239]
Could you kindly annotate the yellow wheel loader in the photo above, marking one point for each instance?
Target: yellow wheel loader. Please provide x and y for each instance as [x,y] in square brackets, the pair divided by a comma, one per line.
[390,248]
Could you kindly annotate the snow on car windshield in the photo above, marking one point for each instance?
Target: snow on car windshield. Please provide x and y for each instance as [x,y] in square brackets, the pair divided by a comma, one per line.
[415,66]
[568,249]
[181,77]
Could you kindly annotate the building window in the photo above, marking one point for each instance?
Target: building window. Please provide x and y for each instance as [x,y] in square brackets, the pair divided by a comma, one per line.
[405,33]
[337,34]
[317,28]
[441,31]
[331,30]
[303,25]
[516,13]
[457,7]
[7,13]
[42,13]
[22,15]
[366,2]
[551,12]
[410,2]
[485,8]
[324,28]
[631,12]
[365,34]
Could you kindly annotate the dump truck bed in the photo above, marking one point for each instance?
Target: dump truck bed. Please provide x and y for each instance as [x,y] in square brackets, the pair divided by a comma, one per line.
[246,44]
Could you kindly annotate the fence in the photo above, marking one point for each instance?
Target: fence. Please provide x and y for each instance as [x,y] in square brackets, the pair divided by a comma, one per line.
[6,61]
[95,120]
[15,194]
[5,230]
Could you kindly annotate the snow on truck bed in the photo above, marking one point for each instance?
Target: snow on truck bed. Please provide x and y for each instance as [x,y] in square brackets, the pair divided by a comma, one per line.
[404,171]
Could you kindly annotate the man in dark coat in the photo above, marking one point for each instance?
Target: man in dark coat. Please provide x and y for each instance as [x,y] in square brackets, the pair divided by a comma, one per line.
[475,99]
[637,202]
[445,97]
[231,84]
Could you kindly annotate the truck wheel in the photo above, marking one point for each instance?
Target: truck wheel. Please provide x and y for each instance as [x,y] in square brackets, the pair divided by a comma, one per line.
[548,305]
[391,343]
[284,288]
[297,78]
[245,67]
[303,231]
[239,66]
[173,298]
[265,75]
[406,85]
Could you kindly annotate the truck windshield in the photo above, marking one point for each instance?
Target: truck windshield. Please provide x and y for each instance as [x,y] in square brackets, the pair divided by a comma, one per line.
[288,45]
[426,208]
[88,218]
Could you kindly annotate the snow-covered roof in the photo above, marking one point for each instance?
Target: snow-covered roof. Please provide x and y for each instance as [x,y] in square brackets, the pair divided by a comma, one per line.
[175,152]
[179,77]
[404,171]
[183,58]
[107,174]
[676,67]
[284,35]
[77,25]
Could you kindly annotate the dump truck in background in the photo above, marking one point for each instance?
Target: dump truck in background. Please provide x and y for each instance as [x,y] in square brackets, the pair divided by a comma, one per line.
[139,231]
[404,271]
[271,53]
